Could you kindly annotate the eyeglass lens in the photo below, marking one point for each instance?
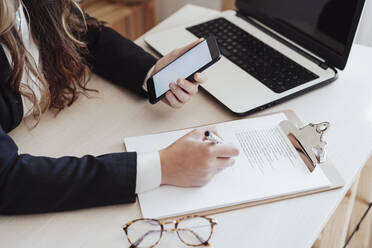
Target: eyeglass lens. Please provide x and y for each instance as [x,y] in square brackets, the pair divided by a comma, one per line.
[144,233]
[194,231]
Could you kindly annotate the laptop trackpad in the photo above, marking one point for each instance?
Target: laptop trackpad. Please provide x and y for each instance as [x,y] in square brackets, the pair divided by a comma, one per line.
[235,88]
[165,42]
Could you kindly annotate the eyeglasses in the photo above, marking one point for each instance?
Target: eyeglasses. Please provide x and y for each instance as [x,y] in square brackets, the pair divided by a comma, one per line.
[191,230]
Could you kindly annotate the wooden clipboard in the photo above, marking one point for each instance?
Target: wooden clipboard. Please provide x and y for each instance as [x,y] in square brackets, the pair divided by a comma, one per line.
[329,170]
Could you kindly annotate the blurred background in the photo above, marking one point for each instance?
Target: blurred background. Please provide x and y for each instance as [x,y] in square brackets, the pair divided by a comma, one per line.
[132,18]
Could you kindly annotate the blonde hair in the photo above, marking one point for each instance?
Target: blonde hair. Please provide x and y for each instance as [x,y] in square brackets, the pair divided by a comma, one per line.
[7,15]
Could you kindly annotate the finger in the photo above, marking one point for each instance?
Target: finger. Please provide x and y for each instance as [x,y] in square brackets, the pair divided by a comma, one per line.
[200,78]
[191,88]
[223,150]
[189,46]
[222,163]
[181,95]
[173,101]
[164,100]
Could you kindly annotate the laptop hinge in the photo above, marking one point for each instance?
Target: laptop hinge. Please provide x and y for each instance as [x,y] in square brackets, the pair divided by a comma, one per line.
[289,44]
[323,65]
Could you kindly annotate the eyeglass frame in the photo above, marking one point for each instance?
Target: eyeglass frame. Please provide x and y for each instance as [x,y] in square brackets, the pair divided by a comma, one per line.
[176,222]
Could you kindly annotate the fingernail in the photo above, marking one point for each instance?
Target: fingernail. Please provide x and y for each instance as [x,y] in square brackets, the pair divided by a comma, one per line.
[198,76]
[180,82]
[173,86]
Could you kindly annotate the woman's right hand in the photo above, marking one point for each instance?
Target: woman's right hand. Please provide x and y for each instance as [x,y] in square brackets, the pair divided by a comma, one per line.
[192,162]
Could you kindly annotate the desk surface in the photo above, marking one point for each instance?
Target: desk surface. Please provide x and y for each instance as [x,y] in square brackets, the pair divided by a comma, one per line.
[98,125]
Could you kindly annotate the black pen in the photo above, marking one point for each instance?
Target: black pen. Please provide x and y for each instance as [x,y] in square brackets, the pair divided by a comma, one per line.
[212,137]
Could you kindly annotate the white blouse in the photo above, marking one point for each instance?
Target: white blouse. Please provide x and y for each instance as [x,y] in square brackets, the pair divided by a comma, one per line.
[148,165]
[27,78]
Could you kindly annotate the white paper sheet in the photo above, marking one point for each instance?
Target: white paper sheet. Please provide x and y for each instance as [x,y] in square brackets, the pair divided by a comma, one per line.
[268,166]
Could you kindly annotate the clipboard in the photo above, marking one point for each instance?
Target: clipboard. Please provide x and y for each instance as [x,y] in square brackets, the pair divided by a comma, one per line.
[327,166]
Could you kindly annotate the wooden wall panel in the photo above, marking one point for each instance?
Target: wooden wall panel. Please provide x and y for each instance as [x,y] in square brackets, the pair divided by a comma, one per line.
[228,4]
[130,20]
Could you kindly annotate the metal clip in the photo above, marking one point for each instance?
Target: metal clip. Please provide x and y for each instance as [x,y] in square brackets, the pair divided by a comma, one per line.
[308,141]
[319,148]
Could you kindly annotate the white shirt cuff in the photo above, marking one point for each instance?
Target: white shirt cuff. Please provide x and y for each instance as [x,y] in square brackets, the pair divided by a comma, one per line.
[148,172]
[144,85]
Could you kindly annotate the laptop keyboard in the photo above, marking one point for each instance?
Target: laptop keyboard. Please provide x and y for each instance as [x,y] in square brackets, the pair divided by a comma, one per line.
[267,65]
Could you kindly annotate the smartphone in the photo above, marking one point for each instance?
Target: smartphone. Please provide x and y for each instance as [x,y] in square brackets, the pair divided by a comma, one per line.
[197,59]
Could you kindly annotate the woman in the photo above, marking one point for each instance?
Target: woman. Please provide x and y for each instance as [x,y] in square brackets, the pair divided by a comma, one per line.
[47,50]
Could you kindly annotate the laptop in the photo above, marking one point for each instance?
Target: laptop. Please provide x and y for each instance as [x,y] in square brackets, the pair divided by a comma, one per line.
[273,50]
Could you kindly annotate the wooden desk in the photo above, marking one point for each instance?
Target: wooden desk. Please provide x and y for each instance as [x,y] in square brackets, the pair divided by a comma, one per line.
[98,125]
[131,19]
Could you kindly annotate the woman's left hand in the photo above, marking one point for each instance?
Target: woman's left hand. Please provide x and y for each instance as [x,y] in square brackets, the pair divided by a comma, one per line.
[181,90]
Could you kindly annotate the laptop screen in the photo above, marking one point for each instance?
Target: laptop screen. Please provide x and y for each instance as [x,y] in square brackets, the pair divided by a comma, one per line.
[318,25]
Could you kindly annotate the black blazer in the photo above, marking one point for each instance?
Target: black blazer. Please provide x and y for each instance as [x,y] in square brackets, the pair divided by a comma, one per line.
[30,184]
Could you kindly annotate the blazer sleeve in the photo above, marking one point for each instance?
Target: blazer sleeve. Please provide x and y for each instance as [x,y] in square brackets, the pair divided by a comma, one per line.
[117,59]
[30,184]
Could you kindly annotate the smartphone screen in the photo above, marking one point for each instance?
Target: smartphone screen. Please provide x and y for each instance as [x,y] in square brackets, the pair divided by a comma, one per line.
[183,67]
